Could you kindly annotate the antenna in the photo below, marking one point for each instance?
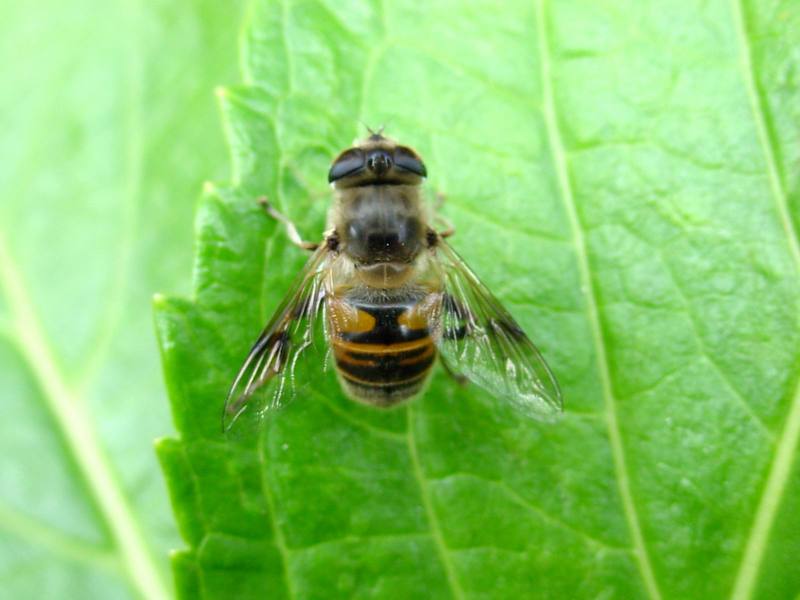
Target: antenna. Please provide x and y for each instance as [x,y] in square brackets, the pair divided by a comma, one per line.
[375,135]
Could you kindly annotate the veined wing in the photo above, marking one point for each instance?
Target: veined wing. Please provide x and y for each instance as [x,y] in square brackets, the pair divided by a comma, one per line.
[265,380]
[479,339]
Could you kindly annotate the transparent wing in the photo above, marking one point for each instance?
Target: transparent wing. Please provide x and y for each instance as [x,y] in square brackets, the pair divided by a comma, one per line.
[478,339]
[266,379]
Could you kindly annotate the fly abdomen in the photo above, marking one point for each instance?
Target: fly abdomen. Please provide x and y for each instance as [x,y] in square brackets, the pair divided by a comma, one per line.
[383,351]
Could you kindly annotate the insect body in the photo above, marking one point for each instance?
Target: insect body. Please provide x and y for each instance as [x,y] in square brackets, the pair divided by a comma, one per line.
[390,295]
[384,355]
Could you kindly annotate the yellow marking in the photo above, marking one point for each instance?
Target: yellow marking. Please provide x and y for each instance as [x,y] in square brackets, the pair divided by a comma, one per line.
[418,316]
[348,318]
[342,356]
[381,349]
[341,349]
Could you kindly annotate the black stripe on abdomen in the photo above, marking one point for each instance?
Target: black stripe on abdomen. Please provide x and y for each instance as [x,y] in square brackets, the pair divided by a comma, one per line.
[386,367]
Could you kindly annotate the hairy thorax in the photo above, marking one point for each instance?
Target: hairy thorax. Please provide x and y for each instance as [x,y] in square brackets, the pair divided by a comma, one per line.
[382,230]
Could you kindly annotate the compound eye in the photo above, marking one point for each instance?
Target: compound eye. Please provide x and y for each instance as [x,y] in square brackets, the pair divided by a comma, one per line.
[407,160]
[349,162]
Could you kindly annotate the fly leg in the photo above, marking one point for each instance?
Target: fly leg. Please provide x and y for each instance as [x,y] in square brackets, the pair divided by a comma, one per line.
[291,230]
[448,230]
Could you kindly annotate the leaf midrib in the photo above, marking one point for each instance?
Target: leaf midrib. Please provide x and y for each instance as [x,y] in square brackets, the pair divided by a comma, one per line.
[562,172]
[71,416]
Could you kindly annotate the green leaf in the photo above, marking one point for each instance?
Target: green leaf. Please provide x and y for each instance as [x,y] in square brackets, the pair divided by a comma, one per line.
[109,126]
[622,176]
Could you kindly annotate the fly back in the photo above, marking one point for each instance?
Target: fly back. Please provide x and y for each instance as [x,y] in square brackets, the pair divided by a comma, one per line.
[381,340]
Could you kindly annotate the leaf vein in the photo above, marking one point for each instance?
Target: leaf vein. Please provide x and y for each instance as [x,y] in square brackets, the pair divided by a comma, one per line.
[277,533]
[46,536]
[430,512]
[72,418]
[698,338]
[354,539]
[537,510]
[615,436]
[780,468]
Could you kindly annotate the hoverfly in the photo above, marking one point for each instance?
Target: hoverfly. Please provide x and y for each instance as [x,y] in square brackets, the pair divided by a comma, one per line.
[391,295]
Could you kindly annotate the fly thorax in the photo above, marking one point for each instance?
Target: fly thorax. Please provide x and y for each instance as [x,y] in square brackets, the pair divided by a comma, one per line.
[381,228]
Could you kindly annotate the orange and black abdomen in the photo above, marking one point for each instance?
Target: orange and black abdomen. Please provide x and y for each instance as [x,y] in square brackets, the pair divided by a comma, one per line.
[383,351]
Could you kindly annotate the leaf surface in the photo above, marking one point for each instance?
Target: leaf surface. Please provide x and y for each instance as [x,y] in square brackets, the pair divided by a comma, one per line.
[622,176]
[108,129]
